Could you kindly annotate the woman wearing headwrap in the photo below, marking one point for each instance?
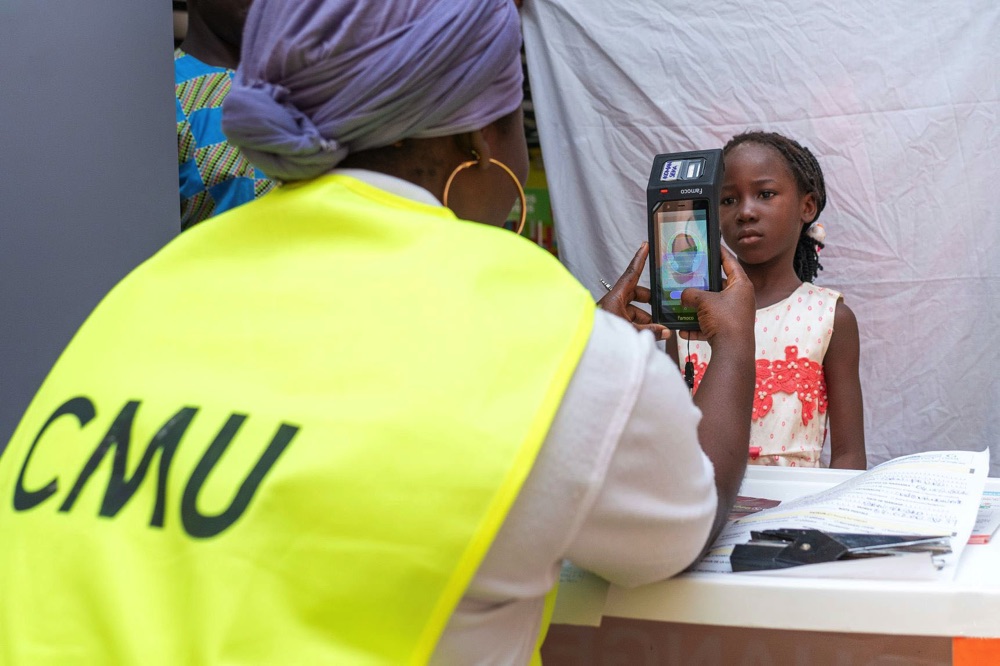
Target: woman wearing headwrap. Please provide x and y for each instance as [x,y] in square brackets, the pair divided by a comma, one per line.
[342,424]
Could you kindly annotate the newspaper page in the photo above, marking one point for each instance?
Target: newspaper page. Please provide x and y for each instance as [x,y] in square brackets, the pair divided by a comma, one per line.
[988,519]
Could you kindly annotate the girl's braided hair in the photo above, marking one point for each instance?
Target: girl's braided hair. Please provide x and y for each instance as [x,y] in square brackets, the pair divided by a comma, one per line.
[809,177]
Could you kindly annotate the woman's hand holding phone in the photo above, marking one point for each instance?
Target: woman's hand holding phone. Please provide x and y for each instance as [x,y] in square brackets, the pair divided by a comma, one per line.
[725,315]
[626,291]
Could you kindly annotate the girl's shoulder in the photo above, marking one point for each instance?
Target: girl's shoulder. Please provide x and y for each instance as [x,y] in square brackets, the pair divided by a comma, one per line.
[806,295]
[816,292]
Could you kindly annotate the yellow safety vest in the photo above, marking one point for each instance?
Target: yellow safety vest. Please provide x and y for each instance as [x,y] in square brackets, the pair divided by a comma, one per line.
[290,437]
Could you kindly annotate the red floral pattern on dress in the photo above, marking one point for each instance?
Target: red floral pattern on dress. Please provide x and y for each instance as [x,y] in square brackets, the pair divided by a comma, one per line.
[796,375]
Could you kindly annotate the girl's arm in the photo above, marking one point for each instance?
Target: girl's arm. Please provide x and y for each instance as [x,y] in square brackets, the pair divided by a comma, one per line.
[843,387]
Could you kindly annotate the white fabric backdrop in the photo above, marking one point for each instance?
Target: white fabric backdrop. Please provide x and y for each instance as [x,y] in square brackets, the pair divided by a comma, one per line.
[898,99]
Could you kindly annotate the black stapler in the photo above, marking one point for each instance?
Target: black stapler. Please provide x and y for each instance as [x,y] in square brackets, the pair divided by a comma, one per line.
[783,548]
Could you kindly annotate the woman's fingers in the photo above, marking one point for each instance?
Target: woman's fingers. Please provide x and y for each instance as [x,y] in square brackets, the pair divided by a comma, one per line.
[628,281]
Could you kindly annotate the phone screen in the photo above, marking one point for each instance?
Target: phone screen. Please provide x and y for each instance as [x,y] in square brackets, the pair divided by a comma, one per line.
[682,252]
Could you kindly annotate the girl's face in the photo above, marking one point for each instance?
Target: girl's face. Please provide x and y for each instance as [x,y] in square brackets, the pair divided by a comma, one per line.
[761,208]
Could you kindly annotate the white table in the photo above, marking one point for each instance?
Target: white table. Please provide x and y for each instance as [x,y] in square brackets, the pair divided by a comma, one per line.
[907,620]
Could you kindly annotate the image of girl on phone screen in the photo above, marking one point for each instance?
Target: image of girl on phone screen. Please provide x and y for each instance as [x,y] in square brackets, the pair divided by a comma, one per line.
[684,263]
[807,346]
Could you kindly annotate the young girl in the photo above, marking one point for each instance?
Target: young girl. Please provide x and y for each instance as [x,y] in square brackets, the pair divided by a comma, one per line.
[807,338]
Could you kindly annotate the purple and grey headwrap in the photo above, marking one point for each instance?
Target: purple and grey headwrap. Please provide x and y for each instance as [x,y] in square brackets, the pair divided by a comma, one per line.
[319,79]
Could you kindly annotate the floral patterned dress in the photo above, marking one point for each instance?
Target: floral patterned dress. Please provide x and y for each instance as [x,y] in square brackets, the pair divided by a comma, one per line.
[789,404]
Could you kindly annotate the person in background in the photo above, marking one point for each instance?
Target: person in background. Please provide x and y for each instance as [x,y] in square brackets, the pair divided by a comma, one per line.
[806,336]
[356,420]
[214,176]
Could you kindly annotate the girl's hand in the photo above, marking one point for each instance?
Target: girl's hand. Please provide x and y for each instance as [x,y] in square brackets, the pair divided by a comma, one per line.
[626,290]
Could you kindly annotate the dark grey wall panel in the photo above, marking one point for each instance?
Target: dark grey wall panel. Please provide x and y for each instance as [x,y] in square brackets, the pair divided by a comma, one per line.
[88,175]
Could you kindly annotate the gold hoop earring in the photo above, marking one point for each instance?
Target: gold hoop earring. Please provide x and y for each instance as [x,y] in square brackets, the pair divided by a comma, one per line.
[517,184]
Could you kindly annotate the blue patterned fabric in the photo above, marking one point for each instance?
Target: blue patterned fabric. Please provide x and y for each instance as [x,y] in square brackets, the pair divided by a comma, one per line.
[214,176]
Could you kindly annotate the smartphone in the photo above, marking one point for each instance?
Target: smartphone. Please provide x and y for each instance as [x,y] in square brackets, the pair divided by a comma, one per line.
[683,232]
